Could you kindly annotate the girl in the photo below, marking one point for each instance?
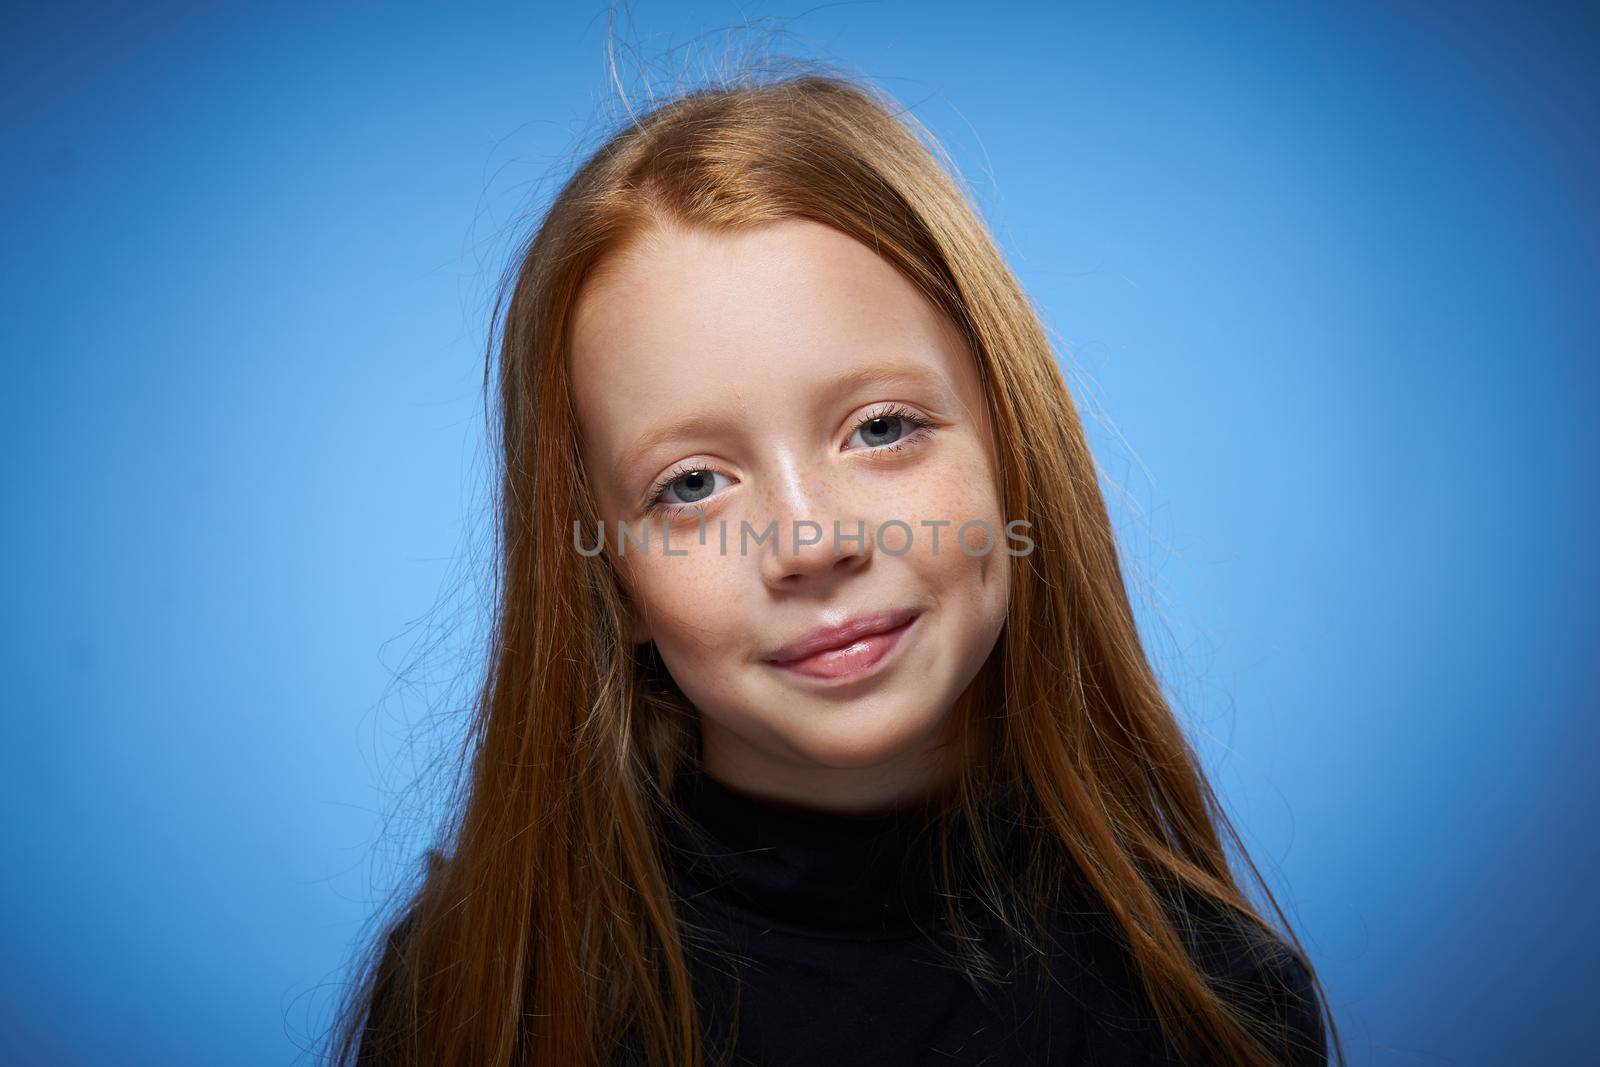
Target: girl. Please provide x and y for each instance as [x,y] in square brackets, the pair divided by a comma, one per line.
[817,729]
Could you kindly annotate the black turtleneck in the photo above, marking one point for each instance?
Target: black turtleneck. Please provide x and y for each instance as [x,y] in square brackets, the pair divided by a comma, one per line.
[824,929]
[813,873]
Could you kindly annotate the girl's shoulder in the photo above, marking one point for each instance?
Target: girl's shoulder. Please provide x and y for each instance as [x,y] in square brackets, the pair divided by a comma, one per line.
[1251,966]
[383,1032]
[1255,967]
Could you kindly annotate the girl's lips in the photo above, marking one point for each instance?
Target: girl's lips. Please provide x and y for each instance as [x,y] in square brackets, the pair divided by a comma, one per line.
[857,659]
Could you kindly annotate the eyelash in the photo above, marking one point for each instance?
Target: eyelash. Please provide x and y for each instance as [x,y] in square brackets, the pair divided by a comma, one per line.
[921,429]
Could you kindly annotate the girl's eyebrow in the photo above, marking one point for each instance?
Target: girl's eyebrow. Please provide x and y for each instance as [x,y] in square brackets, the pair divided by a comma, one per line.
[705,423]
[687,426]
[913,374]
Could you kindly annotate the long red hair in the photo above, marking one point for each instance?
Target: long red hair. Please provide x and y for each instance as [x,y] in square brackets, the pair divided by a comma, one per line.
[544,931]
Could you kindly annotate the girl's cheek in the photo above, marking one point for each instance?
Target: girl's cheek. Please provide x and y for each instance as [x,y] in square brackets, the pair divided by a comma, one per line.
[684,592]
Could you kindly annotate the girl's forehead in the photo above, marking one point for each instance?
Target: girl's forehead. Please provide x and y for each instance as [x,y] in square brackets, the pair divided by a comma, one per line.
[770,282]
[691,327]
[764,306]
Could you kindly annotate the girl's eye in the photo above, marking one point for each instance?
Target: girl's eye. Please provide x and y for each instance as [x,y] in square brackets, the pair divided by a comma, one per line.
[682,489]
[886,429]
[889,427]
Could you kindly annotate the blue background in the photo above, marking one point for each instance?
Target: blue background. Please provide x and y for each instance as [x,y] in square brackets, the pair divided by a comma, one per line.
[1324,278]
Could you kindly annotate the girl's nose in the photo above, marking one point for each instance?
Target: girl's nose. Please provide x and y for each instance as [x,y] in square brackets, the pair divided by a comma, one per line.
[809,551]
[819,531]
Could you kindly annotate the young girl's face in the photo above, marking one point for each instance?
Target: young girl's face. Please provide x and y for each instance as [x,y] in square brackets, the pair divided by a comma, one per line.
[780,381]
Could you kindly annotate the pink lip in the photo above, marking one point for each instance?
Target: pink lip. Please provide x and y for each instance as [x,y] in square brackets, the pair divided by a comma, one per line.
[847,651]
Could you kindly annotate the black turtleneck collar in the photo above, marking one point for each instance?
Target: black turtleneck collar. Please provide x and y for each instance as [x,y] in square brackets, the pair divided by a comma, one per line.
[812,871]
